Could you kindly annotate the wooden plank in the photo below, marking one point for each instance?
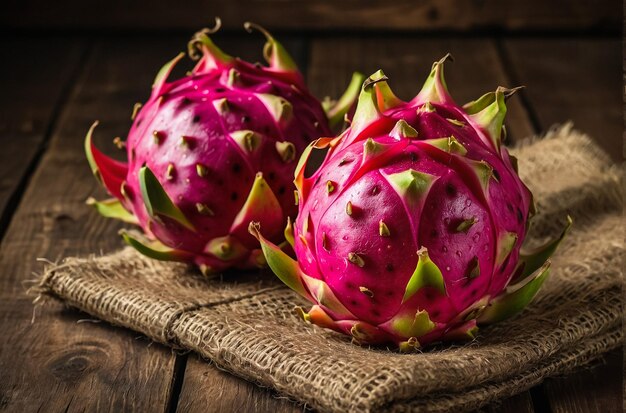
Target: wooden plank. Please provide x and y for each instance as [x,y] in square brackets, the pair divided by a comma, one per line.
[576,79]
[209,389]
[57,364]
[33,82]
[597,389]
[29,97]
[54,364]
[521,403]
[382,15]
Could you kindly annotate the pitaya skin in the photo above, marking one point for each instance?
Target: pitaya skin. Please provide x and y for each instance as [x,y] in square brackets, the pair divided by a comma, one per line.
[410,231]
[211,152]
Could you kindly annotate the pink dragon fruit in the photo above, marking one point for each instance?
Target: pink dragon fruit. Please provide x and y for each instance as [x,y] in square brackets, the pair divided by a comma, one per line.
[212,151]
[423,176]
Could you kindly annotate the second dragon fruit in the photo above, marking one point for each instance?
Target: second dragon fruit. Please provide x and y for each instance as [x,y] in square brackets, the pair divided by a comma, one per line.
[410,231]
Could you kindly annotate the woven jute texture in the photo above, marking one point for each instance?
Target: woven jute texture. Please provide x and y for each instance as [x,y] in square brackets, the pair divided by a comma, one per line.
[246,325]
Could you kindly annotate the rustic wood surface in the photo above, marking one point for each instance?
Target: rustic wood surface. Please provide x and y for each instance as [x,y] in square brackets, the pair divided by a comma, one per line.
[64,361]
[48,362]
[571,394]
[574,78]
[404,15]
[29,111]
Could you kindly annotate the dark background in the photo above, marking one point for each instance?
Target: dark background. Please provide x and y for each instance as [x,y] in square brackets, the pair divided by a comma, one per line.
[589,16]
[66,63]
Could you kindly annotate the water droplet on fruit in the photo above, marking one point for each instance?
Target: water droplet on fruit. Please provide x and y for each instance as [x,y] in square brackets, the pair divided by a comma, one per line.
[448,268]
[458,253]
[444,249]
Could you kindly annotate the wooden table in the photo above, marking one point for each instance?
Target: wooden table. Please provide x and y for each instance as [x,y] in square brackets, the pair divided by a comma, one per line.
[53,87]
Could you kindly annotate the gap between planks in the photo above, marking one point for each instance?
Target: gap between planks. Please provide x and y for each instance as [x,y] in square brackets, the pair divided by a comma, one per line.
[14,197]
[55,363]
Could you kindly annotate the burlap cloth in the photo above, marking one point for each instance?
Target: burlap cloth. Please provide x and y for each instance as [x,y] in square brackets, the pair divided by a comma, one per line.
[247,325]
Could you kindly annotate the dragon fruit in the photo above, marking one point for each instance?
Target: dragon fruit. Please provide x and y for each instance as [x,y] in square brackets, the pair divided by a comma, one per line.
[212,151]
[410,231]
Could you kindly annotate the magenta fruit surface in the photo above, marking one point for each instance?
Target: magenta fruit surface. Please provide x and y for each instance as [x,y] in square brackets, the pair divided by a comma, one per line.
[212,151]
[410,231]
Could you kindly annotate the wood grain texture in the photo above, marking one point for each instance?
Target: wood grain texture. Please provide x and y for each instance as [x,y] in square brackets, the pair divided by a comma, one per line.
[29,100]
[596,390]
[318,14]
[54,364]
[211,390]
[521,403]
[574,79]
[29,93]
